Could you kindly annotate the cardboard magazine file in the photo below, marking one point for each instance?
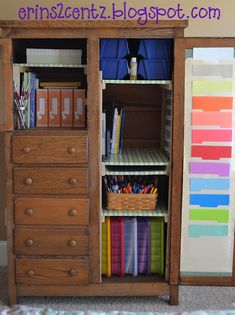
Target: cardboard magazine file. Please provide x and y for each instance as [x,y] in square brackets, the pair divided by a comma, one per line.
[54,105]
[66,108]
[42,108]
[79,102]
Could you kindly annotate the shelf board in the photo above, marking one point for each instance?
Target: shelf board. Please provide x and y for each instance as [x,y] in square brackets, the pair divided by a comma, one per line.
[153,278]
[161,211]
[136,170]
[49,65]
[163,82]
[49,131]
[138,157]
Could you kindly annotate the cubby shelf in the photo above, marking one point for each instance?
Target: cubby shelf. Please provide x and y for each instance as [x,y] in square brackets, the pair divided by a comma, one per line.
[127,170]
[138,157]
[163,82]
[49,65]
[145,161]
[161,211]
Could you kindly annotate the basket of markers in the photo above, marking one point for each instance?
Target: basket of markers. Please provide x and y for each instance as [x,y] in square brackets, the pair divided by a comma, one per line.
[131,193]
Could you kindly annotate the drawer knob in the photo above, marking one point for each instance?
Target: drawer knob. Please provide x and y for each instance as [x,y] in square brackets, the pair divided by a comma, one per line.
[30,273]
[27,149]
[29,211]
[72,272]
[29,243]
[28,181]
[72,243]
[71,150]
[73,212]
[73,181]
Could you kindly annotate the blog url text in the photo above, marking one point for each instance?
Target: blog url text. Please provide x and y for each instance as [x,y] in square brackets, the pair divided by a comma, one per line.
[116,12]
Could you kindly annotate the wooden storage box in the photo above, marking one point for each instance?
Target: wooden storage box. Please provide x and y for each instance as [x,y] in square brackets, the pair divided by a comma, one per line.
[131,202]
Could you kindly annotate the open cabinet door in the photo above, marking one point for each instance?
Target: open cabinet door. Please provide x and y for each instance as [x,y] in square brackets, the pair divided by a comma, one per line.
[6,171]
[208,203]
[94,133]
[6,97]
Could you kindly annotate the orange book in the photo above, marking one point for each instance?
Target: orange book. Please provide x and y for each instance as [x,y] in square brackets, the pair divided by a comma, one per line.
[66,107]
[79,99]
[54,107]
[42,108]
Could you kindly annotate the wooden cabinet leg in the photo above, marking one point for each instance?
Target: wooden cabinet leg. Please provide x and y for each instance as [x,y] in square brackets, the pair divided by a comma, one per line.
[12,299]
[174,295]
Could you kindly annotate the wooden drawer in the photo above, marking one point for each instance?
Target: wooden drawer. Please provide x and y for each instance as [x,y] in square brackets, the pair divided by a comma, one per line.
[52,271]
[45,180]
[50,149]
[53,211]
[51,241]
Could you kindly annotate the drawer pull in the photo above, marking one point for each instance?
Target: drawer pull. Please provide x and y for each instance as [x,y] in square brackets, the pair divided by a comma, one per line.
[72,243]
[29,211]
[73,181]
[73,212]
[28,181]
[27,149]
[72,272]
[29,243]
[71,150]
[30,273]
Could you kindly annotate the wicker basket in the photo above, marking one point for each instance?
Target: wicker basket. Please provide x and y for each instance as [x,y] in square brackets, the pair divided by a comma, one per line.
[131,202]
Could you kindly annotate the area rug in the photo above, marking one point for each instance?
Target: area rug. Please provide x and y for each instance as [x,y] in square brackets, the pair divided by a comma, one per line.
[27,310]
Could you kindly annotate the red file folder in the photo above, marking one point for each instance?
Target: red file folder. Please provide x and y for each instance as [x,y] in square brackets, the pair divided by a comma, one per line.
[117,246]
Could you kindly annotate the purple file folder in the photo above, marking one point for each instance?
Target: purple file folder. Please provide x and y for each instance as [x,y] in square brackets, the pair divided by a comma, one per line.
[129,245]
[143,239]
[220,169]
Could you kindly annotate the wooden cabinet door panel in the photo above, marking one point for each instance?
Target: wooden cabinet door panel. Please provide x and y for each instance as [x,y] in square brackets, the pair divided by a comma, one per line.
[6,91]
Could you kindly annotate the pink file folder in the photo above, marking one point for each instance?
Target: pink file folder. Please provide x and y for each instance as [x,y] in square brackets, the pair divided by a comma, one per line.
[222,119]
[199,136]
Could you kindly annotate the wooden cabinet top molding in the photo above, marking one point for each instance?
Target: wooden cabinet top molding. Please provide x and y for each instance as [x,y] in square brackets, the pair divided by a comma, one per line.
[92,29]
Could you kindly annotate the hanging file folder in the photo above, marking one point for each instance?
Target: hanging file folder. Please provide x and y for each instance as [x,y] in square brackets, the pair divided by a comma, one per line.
[117,246]
[106,251]
[130,246]
[143,239]
[157,245]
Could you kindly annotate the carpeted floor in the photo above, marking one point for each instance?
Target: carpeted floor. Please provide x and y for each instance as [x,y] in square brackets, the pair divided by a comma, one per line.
[191,299]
